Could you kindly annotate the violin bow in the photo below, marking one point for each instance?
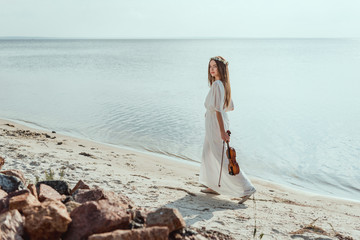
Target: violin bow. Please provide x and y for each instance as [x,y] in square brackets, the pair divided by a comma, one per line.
[222,160]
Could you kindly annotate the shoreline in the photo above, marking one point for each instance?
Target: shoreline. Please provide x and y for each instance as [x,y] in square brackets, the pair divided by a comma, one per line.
[155,181]
[300,189]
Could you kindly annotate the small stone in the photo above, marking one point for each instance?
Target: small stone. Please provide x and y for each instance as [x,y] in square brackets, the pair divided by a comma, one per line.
[80,185]
[35,163]
[87,155]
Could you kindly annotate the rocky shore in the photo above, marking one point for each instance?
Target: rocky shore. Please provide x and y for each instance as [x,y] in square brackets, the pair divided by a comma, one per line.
[50,210]
[132,187]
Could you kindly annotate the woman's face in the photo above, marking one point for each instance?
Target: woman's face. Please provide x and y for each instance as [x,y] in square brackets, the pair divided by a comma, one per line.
[213,69]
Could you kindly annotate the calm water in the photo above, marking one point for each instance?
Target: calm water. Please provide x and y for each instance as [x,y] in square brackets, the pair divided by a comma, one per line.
[297,105]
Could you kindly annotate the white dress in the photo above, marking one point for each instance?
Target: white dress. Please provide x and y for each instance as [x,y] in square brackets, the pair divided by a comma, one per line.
[235,186]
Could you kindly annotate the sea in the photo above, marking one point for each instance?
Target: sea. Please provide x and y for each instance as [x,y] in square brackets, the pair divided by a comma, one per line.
[297,101]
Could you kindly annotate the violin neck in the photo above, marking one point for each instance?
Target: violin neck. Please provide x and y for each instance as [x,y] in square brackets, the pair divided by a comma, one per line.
[228,148]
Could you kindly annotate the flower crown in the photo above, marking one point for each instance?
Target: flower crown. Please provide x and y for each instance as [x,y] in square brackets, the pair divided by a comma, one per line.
[220,59]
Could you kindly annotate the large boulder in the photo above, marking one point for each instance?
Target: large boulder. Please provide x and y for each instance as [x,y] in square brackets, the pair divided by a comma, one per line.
[85,195]
[95,194]
[21,201]
[10,183]
[11,225]
[151,233]
[169,217]
[4,202]
[47,192]
[96,217]
[60,186]
[47,221]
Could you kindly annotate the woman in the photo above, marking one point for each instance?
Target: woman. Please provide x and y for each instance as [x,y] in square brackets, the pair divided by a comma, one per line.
[217,103]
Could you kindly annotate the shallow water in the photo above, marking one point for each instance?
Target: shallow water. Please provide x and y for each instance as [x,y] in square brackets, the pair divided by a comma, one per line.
[297,105]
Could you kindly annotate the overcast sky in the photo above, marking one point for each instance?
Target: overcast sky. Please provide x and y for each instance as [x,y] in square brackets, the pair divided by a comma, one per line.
[180,19]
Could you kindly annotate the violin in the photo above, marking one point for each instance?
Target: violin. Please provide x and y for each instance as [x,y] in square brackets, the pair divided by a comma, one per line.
[233,166]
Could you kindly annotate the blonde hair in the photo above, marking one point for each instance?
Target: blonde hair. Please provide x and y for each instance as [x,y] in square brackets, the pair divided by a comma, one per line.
[224,77]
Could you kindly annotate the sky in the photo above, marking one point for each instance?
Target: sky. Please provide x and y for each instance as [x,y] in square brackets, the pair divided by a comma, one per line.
[180,19]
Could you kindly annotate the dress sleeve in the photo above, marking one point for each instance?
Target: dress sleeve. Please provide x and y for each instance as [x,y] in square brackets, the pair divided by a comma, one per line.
[217,97]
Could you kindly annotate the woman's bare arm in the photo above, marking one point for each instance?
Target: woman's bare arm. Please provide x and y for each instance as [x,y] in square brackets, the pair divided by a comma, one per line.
[224,136]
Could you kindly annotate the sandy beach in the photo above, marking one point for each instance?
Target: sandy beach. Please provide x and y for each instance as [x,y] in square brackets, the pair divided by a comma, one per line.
[277,212]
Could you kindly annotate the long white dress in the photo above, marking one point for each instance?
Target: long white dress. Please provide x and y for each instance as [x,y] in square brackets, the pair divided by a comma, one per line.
[236,186]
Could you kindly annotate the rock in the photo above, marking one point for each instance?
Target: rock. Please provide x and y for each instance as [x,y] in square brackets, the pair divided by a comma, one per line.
[4,202]
[33,190]
[47,192]
[80,185]
[46,221]
[10,183]
[66,199]
[151,233]
[138,217]
[199,237]
[60,186]
[96,217]
[2,193]
[71,205]
[21,201]
[84,195]
[119,198]
[15,173]
[169,217]
[87,154]
[12,225]
[2,162]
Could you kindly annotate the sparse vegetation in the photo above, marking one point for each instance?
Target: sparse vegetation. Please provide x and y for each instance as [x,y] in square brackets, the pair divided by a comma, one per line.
[50,175]
[62,173]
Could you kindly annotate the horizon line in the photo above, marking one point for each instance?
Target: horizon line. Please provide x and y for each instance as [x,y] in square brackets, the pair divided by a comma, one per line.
[159,38]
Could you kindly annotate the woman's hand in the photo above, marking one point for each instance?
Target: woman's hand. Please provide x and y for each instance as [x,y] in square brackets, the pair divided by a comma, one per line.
[225,137]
